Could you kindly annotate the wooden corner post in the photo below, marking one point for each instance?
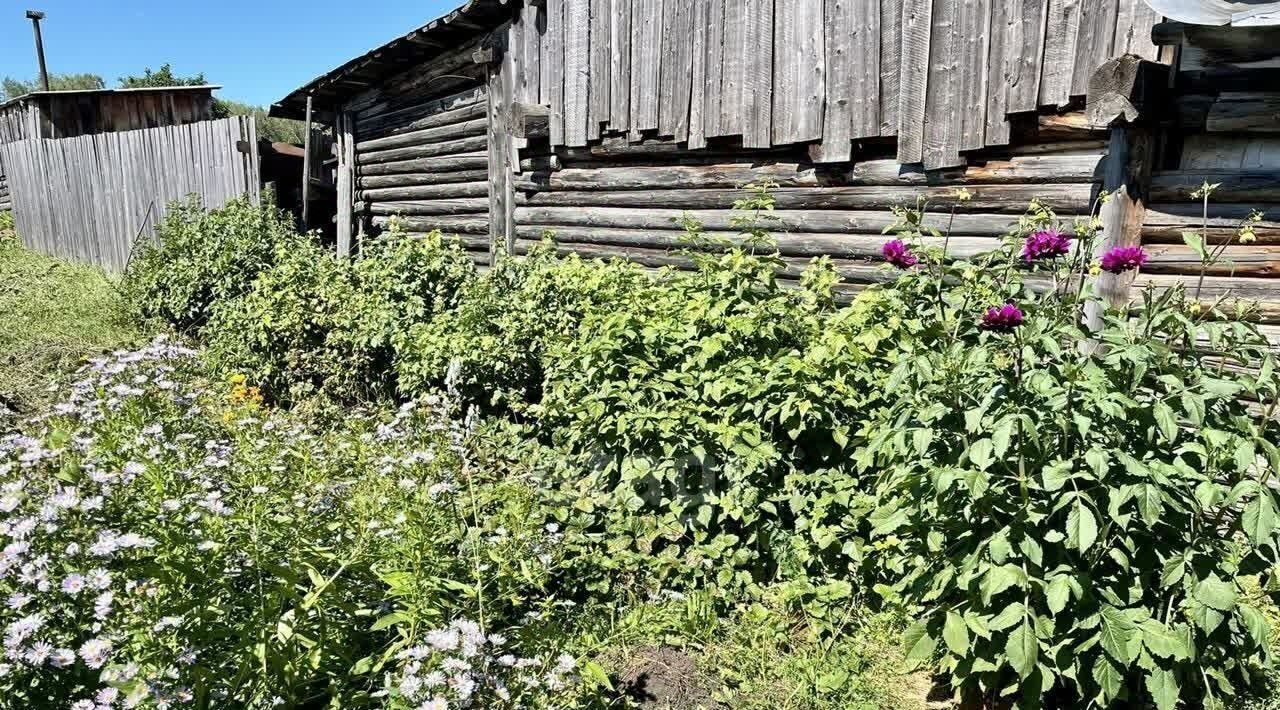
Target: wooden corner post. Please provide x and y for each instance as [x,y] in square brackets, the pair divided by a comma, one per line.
[1123,94]
[503,156]
[346,193]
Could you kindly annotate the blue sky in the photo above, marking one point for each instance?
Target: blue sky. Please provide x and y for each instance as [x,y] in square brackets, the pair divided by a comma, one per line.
[257,50]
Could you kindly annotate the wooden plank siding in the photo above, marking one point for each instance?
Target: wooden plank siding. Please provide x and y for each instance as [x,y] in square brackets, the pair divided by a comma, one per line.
[89,198]
[943,76]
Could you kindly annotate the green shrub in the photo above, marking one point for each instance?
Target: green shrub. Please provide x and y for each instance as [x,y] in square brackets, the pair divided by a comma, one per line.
[317,324]
[171,542]
[498,337]
[203,257]
[1077,522]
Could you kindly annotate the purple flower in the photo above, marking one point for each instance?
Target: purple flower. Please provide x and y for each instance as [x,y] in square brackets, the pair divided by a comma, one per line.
[896,252]
[1122,259]
[1045,244]
[1002,319]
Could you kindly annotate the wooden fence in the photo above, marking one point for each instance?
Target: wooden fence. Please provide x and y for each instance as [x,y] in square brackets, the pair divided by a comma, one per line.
[91,198]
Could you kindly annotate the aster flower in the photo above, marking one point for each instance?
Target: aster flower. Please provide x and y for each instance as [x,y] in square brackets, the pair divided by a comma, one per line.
[1045,244]
[1002,319]
[897,252]
[1122,259]
[95,652]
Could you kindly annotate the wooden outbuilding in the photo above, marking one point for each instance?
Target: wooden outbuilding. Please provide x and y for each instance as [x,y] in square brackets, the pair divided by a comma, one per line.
[603,122]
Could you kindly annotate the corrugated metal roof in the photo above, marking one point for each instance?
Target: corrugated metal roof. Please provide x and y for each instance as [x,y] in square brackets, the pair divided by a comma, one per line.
[334,87]
[139,90]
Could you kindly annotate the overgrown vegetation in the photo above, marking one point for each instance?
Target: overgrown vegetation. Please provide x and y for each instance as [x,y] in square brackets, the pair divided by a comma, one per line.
[613,473]
[54,315]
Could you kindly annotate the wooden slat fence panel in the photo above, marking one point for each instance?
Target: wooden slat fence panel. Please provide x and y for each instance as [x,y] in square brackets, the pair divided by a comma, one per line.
[89,198]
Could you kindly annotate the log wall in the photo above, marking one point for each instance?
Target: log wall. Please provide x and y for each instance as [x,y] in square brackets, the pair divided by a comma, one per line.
[622,199]
[422,159]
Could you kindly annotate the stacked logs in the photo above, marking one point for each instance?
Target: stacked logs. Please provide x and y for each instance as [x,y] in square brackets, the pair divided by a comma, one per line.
[424,162]
[614,200]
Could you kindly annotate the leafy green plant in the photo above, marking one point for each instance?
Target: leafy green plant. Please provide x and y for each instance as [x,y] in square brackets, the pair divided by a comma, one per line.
[202,257]
[1077,522]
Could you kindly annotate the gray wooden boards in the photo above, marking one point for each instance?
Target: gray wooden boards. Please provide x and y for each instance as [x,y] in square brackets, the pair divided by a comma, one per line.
[941,75]
[89,198]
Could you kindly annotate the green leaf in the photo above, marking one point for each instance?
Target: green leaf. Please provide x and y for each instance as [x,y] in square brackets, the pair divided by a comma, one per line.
[1166,420]
[1022,649]
[1196,242]
[1117,632]
[999,548]
[1215,593]
[1082,527]
[1245,455]
[1057,592]
[1150,503]
[1256,623]
[981,454]
[920,646]
[1260,519]
[956,634]
[1163,686]
[997,580]
[1161,641]
[1055,475]
[1108,678]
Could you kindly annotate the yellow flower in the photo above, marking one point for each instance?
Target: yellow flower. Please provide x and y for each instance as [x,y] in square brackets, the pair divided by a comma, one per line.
[237,379]
[1247,236]
[962,195]
[1095,270]
[1194,308]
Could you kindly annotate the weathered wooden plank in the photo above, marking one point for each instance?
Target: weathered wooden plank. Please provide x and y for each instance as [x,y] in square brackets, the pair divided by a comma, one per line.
[471,205]
[426,192]
[553,63]
[890,64]
[577,71]
[463,145]
[1134,22]
[713,60]
[646,63]
[432,178]
[1127,167]
[1234,186]
[733,70]
[620,65]
[845,70]
[1062,33]
[799,71]
[821,221]
[973,35]
[914,82]
[501,164]
[532,27]
[942,96]
[468,103]
[675,80]
[345,187]
[601,60]
[660,177]
[698,94]
[1007,199]
[452,131]
[1094,42]
[473,224]
[757,82]
[443,164]
[1014,63]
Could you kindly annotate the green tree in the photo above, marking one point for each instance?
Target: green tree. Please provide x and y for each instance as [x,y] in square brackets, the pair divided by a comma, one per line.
[276,130]
[13,87]
[161,77]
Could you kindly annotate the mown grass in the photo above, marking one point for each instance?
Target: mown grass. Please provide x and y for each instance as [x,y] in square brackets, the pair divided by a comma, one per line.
[52,316]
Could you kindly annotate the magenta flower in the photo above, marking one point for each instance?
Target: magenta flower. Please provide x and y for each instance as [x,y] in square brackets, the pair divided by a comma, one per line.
[896,252]
[1002,319]
[1045,244]
[1122,259]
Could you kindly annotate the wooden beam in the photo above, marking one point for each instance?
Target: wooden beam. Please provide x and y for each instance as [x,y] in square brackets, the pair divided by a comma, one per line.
[306,169]
[530,120]
[1126,89]
[1126,176]
[346,191]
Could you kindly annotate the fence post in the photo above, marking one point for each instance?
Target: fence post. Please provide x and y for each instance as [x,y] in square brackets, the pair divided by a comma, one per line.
[1121,94]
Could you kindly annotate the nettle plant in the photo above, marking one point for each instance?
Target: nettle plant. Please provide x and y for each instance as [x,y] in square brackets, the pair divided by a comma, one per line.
[1078,514]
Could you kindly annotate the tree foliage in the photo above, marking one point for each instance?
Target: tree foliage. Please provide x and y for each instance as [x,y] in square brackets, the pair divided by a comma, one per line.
[13,87]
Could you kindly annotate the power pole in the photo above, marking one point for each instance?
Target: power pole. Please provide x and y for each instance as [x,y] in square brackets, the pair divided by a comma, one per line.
[35,17]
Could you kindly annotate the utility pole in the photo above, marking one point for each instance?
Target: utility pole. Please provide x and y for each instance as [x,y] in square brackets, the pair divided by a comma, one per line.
[35,17]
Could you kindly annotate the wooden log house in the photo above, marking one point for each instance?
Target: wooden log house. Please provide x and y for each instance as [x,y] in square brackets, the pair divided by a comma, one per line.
[603,122]
[68,114]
